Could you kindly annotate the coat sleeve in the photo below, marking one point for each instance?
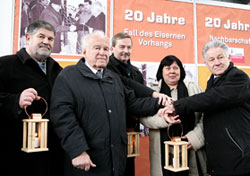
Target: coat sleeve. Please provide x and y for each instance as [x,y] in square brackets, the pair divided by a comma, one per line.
[147,106]
[234,91]
[140,89]
[196,136]
[64,119]
[9,102]
[154,122]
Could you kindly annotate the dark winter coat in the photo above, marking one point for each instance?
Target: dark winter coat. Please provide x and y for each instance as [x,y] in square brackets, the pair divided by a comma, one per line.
[17,73]
[89,114]
[134,81]
[226,107]
[129,73]
[131,77]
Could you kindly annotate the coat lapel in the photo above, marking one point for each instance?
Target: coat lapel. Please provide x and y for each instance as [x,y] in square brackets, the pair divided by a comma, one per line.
[86,72]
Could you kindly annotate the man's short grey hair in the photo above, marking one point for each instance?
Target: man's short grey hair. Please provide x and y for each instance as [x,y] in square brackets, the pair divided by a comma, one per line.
[87,38]
[215,44]
[36,25]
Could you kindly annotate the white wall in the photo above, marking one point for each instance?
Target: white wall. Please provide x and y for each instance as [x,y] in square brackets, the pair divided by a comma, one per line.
[6,29]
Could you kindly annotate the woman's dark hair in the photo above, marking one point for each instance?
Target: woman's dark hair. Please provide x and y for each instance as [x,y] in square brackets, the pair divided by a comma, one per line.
[167,61]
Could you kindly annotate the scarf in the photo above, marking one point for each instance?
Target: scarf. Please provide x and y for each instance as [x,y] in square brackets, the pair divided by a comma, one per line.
[175,130]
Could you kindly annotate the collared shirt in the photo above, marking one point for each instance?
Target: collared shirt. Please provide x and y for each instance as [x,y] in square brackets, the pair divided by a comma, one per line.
[91,68]
[42,65]
[215,79]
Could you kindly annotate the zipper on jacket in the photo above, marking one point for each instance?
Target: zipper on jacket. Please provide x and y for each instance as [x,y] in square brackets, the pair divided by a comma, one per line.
[232,139]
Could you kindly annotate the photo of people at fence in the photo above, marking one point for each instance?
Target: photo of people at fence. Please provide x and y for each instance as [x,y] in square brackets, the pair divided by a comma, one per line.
[72,19]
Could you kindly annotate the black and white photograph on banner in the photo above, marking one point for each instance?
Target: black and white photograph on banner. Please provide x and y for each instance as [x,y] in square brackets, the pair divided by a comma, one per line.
[72,19]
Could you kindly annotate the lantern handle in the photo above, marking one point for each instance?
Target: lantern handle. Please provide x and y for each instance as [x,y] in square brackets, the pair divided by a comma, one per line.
[172,138]
[46,109]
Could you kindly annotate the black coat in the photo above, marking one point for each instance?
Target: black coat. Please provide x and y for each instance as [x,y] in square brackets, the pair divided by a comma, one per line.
[89,114]
[226,107]
[19,72]
[135,81]
[97,23]
[130,75]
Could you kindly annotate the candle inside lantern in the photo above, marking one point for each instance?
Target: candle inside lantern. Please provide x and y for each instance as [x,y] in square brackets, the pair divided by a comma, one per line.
[36,141]
[133,144]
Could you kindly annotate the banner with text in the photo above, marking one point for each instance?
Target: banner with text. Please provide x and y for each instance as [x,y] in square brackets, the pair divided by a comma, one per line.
[158,28]
[229,25]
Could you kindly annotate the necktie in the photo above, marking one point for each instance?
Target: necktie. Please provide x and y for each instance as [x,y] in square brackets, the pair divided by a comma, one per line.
[99,74]
[215,80]
[43,67]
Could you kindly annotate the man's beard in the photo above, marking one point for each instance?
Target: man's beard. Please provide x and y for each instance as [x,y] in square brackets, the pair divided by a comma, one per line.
[43,54]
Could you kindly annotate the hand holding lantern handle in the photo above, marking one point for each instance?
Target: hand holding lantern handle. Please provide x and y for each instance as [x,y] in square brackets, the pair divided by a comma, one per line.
[27,97]
[46,107]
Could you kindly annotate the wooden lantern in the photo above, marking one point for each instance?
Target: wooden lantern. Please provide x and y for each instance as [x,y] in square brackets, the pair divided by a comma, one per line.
[133,144]
[35,132]
[176,158]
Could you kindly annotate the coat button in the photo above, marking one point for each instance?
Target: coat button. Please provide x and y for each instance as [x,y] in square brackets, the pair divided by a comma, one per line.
[112,145]
[110,111]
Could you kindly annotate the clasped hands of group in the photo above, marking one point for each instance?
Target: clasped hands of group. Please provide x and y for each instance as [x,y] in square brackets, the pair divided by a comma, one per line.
[168,112]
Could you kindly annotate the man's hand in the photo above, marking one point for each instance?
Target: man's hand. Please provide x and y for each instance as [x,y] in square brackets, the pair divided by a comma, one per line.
[72,28]
[27,97]
[169,115]
[163,99]
[83,162]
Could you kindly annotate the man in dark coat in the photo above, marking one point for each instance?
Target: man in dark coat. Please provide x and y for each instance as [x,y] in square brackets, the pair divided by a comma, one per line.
[89,105]
[98,20]
[37,9]
[24,78]
[226,107]
[119,62]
